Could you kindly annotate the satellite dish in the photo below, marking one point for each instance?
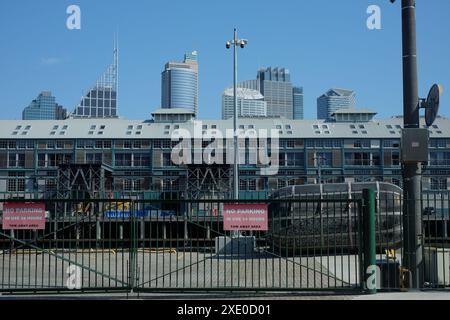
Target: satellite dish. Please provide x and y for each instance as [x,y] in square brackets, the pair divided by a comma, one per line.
[432,104]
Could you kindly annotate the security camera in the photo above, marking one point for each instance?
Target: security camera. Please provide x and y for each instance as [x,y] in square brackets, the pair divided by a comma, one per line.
[228,44]
[243,43]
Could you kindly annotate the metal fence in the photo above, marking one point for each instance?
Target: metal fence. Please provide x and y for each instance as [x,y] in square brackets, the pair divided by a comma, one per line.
[181,245]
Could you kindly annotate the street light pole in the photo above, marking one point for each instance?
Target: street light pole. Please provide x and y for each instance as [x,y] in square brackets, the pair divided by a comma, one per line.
[412,172]
[235,43]
[235,113]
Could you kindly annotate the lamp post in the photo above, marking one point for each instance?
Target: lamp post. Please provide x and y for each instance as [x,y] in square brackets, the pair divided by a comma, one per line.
[235,43]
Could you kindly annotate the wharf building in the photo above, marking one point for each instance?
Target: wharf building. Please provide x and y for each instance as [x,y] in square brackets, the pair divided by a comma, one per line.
[54,158]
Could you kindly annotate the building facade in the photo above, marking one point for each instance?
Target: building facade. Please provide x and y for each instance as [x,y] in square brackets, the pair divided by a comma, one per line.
[250,104]
[334,100]
[298,103]
[101,100]
[276,87]
[44,107]
[136,156]
[179,84]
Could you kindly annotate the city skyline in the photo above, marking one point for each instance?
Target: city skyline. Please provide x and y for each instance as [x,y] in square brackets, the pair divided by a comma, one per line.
[365,65]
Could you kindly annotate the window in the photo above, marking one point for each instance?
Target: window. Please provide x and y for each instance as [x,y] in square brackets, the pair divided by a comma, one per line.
[123,160]
[16,160]
[102,127]
[55,127]
[362,159]
[65,127]
[127,144]
[167,161]
[439,184]
[18,127]
[391,144]
[94,158]
[27,127]
[139,127]
[324,159]
[141,160]
[21,144]
[16,182]
[137,144]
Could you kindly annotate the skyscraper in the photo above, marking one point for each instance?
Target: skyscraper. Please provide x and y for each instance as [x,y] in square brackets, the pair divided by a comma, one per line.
[44,107]
[250,103]
[179,84]
[276,87]
[298,103]
[334,100]
[101,101]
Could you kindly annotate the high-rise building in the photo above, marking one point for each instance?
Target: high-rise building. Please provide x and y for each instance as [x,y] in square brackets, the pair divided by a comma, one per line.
[249,84]
[298,103]
[334,100]
[101,100]
[179,84]
[44,107]
[276,87]
[250,103]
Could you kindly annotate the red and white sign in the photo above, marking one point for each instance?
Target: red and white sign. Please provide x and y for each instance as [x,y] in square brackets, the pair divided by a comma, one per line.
[245,217]
[23,216]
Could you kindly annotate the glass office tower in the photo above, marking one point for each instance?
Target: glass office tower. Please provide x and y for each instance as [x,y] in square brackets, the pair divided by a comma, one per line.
[101,101]
[44,107]
[276,87]
[334,100]
[179,84]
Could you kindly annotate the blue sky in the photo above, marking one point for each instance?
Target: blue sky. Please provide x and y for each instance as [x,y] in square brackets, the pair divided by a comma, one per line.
[324,43]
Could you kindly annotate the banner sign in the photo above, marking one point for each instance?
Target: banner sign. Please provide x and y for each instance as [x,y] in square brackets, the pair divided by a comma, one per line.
[245,217]
[23,216]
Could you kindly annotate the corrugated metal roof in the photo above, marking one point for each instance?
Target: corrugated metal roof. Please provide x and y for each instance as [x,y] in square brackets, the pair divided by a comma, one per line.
[145,129]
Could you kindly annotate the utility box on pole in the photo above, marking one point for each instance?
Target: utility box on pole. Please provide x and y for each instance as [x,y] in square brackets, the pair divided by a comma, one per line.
[414,146]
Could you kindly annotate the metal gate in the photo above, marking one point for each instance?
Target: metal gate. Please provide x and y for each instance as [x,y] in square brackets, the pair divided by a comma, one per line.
[181,245]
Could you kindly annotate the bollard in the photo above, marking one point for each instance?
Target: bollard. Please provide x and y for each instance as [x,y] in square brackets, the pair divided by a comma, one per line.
[369,241]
